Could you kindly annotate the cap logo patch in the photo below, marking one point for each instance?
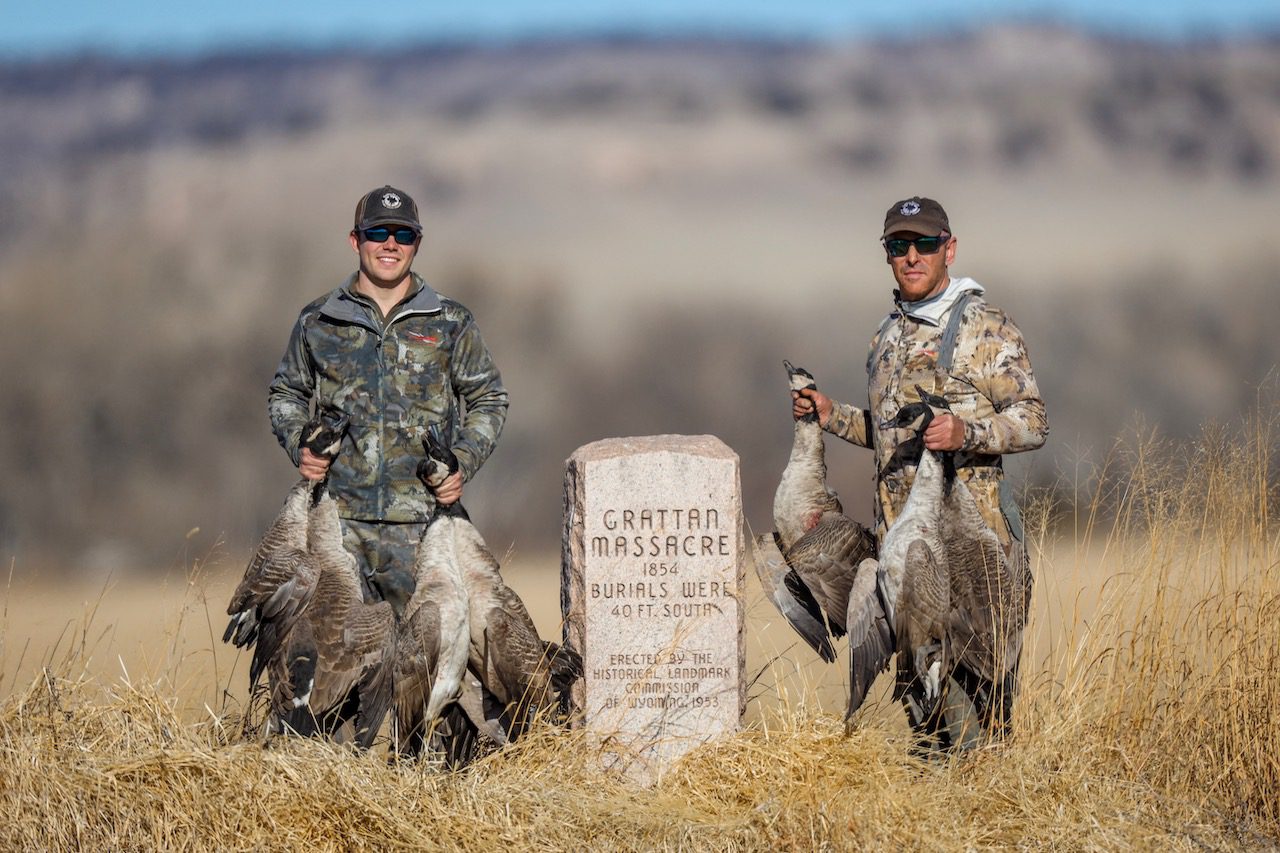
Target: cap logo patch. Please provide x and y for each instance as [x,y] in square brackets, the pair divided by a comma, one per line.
[390,201]
[909,208]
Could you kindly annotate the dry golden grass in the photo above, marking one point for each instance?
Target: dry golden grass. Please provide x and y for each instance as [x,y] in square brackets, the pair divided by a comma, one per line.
[1148,719]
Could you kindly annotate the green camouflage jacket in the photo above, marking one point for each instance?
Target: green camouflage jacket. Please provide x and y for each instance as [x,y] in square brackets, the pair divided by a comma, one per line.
[393,383]
[990,387]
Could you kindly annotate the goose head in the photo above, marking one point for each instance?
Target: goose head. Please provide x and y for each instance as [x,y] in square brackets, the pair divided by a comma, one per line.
[913,416]
[438,466]
[800,379]
[440,461]
[917,416]
[323,433]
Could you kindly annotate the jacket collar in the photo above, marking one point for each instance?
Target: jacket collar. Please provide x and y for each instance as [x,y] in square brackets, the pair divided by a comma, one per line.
[344,305]
[934,309]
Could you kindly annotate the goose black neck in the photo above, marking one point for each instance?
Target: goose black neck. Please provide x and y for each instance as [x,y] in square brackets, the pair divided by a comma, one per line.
[453,510]
[925,420]
[948,458]
[317,490]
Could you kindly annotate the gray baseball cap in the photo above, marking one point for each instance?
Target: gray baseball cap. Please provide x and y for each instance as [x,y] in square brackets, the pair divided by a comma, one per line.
[387,206]
[917,215]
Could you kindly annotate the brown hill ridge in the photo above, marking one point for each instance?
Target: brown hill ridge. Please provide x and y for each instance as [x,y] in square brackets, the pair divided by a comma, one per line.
[645,230]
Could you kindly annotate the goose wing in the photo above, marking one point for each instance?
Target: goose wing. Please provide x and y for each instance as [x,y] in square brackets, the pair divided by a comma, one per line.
[508,656]
[794,600]
[372,635]
[291,675]
[565,666]
[989,606]
[287,530]
[515,654]
[278,559]
[925,608]
[354,648]
[990,592]
[417,657]
[871,640]
[824,560]
[926,611]
[277,592]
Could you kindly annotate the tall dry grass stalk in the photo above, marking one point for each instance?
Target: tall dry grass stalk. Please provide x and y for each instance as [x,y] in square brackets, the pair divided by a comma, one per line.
[1147,719]
[1175,674]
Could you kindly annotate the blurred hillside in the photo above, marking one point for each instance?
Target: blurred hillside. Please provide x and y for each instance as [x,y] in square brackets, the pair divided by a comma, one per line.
[644,230]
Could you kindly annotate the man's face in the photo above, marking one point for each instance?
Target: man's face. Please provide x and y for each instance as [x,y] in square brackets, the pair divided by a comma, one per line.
[384,263]
[920,275]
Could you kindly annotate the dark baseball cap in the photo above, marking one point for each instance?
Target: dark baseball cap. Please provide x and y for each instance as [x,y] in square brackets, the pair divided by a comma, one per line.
[387,206]
[917,215]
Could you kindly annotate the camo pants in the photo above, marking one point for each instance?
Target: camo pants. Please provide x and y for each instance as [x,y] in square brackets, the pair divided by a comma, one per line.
[384,552]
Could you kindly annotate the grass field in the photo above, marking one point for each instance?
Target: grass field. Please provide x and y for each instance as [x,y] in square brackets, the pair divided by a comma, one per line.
[1148,716]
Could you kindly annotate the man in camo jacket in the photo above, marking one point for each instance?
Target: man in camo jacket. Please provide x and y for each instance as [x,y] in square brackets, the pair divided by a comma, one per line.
[397,358]
[995,404]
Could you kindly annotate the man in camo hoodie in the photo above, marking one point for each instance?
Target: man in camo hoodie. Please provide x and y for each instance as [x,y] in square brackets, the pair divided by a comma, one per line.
[397,358]
[983,372]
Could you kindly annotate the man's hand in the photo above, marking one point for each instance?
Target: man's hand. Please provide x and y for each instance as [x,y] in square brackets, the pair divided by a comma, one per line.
[810,400]
[450,490]
[945,432]
[313,467]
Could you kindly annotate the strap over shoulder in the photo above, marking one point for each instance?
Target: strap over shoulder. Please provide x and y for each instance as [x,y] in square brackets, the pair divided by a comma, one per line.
[947,349]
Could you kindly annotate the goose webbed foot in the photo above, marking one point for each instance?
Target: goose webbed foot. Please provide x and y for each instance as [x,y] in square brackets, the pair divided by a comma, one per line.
[928,661]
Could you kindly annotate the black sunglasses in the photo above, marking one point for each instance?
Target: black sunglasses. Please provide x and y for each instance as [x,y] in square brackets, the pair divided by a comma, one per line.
[404,236]
[897,247]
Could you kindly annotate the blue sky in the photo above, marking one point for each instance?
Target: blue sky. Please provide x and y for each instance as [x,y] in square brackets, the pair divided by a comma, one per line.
[30,29]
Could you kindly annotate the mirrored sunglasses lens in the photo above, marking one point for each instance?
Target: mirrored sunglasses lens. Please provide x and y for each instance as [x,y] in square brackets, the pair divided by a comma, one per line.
[376,235]
[928,245]
[897,248]
[405,236]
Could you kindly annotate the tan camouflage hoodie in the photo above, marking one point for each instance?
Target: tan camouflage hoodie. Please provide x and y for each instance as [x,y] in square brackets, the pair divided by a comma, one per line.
[990,387]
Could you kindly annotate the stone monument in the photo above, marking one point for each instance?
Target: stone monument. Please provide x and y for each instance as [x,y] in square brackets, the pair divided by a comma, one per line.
[651,577]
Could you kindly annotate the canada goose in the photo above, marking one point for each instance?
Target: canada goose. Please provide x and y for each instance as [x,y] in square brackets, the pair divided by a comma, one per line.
[820,545]
[525,674]
[910,589]
[802,495]
[912,543]
[435,635]
[990,599]
[953,596]
[513,668]
[968,602]
[337,662]
[280,578]
[913,563]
